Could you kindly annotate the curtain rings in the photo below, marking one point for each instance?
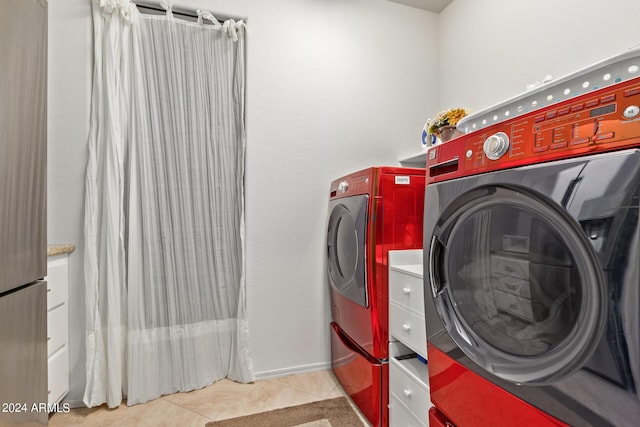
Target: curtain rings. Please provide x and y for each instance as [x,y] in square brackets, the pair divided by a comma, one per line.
[126,8]
[203,14]
[229,27]
[168,7]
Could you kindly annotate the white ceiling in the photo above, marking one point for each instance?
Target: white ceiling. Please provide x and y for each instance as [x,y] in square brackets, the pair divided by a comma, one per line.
[432,5]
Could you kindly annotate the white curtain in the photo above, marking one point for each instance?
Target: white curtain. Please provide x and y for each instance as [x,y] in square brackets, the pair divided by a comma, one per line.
[164,213]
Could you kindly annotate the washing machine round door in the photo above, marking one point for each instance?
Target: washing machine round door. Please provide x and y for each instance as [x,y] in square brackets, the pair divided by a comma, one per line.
[346,247]
[517,284]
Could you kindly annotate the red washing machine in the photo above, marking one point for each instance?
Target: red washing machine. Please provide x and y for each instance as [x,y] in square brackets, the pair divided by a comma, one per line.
[371,212]
[532,247]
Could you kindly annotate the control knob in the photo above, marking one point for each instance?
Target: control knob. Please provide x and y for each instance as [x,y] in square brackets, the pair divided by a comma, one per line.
[496,145]
[343,186]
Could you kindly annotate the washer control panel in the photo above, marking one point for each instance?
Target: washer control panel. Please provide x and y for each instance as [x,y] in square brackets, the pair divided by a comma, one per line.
[602,120]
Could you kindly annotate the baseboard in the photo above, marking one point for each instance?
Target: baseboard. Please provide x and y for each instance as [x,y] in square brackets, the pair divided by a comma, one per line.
[75,404]
[292,370]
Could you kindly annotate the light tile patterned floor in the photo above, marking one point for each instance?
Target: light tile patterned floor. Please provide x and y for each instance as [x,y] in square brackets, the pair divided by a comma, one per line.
[224,399]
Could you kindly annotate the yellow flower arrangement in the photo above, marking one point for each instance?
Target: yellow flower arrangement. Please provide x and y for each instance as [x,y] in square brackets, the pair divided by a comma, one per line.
[445,118]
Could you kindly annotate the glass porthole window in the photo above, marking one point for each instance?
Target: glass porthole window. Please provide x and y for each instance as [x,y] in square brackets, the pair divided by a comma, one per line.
[517,285]
[346,247]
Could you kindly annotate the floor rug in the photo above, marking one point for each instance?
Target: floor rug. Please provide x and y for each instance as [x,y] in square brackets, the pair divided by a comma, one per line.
[332,412]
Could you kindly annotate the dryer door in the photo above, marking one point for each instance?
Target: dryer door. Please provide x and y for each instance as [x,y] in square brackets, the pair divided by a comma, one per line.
[517,284]
[346,246]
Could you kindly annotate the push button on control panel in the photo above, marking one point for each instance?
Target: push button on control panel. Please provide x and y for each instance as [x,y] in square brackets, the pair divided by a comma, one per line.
[632,91]
[603,136]
[631,111]
[608,98]
[591,103]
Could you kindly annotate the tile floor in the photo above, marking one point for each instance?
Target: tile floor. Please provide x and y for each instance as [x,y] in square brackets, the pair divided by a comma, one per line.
[224,399]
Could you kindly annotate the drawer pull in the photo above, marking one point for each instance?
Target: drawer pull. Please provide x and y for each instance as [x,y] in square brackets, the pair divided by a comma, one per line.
[407,392]
[49,392]
[406,327]
[48,338]
[48,289]
[406,291]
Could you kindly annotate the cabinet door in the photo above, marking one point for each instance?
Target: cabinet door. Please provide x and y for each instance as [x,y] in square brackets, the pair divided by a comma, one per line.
[58,375]
[409,328]
[400,416]
[57,329]
[57,281]
[407,290]
[413,395]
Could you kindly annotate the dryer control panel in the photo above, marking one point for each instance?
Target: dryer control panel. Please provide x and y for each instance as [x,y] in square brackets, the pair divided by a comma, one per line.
[599,121]
[367,181]
[356,183]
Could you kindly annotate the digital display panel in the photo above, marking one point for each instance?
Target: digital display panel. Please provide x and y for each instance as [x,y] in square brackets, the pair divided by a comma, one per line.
[602,110]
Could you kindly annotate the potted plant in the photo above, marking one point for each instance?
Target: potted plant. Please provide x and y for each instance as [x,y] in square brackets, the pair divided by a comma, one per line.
[444,124]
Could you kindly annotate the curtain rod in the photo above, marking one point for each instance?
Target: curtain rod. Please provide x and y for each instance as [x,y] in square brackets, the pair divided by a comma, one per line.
[183,12]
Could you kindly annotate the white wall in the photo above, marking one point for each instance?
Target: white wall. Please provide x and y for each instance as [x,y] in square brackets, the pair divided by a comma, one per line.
[491,49]
[332,86]
[70,35]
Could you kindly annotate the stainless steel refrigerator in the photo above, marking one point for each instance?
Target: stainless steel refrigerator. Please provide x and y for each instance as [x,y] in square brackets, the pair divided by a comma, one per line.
[23,262]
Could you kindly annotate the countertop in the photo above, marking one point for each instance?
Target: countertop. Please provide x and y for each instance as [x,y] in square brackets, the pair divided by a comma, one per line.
[60,249]
[412,269]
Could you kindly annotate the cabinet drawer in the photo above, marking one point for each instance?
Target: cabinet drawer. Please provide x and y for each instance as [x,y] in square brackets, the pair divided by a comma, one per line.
[57,278]
[408,327]
[407,290]
[57,328]
[58,375]
[410,393]
[400,416]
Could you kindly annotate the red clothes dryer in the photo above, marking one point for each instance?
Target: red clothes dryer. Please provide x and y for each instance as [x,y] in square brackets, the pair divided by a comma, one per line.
[532,247]
[371,212]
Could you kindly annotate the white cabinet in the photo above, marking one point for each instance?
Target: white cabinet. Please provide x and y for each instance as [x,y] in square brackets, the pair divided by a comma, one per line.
[409,399]
[57,327]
